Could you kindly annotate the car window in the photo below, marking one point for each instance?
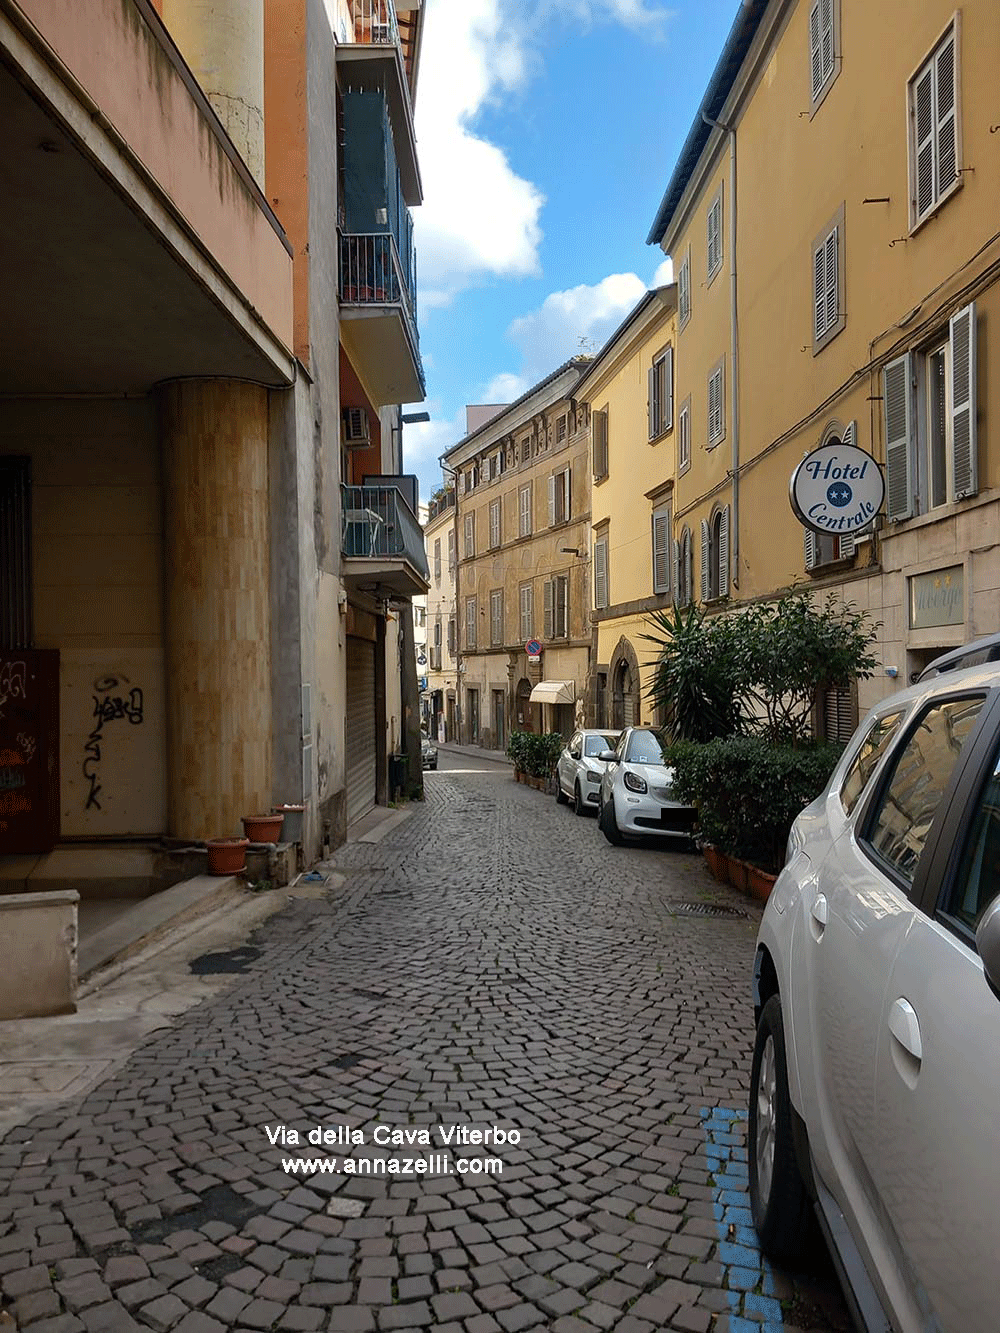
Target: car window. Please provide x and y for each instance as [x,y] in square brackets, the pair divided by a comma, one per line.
[918,777]
[978,879]
[864,763]
[574,745]
[645,747]
[596,745]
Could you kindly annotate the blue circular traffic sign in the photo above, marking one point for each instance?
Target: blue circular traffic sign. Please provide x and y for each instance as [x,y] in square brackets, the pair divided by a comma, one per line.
[532,647]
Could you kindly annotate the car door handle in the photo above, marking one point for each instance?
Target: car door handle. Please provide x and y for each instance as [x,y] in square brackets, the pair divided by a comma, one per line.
[819,914]
[905,1027]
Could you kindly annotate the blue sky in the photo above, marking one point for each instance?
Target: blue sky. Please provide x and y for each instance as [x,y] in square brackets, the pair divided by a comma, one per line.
[547,131]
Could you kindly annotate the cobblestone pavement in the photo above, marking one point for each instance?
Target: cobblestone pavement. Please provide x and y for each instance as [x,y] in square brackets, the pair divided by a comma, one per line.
[492,963]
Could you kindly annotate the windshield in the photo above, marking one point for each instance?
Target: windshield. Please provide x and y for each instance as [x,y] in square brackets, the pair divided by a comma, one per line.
[595,745]
[645,747]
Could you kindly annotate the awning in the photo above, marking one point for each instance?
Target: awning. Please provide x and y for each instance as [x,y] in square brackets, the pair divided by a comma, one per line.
[554,692]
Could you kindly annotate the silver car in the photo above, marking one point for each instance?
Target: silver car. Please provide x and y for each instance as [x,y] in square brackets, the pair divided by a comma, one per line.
[579,771]
[636,794]
[876,1068]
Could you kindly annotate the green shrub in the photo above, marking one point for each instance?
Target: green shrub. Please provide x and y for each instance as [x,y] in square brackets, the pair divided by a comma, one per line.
[535,754]
[748,791]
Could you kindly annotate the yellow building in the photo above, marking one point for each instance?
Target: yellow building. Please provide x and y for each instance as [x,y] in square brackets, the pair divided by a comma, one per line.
[630,392]
[832,222]
[523,524]
[441,546]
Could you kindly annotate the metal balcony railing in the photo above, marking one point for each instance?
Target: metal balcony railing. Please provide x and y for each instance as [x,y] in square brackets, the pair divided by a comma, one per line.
[377,523]
[375,23]
[371,273]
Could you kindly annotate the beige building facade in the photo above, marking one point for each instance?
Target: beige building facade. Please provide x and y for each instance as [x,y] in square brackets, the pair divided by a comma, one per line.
[441,546]
[523,572]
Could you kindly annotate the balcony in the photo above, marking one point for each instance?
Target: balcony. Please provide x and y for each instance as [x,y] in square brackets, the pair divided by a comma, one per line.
[379,318]
[382,542]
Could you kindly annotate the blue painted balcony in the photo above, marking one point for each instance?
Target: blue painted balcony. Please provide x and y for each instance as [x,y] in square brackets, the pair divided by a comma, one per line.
[382,542]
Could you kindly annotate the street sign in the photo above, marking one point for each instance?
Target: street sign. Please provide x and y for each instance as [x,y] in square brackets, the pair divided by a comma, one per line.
[533,648]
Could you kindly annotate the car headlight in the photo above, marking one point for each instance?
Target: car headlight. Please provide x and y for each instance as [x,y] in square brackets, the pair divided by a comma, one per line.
[592,776]
[635,783]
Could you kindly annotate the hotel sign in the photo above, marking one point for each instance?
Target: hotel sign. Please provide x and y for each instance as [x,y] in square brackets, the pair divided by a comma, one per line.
[837,490]
[937,598]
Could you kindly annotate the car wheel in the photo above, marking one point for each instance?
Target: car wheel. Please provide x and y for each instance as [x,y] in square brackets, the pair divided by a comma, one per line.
[779,1201]
[561,797]
[609,825]
[578,806]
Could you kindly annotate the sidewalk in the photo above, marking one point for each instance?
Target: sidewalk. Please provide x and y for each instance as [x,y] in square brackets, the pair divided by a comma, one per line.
[475,752]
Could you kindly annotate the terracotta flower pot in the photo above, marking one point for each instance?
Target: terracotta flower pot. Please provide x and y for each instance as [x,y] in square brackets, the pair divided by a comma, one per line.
[263,828]
[760,882]
[716,862]
[737,873]
[227,856]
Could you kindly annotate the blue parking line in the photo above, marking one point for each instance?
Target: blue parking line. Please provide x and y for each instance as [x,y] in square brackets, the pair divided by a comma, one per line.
[748,1281]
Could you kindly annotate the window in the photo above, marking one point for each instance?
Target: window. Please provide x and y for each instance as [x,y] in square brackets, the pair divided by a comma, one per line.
[559,497]
[865,762]
[601,596]
[470,536]
[436,647]
[906,809]
[661,549]
[524,511]
[660,402]
[931,442]
[683,587]
[556,598]
[437,561]
[829,315]
[494,524]
[599,432]
[496,617]
[526,601]
[715,555]
[824,37]
[561,429]
[716,405]
[932,95]
[827,548]
[451,636]
[838,714]
[470,622]
[684,290]
[975,885]
[714,237]
[684,436]
[16,620]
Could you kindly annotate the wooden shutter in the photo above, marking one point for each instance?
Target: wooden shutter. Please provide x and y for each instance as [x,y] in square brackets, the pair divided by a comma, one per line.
[560,613]
[678,557]
[668,388]
[684,289]
[652,414]
[923,142]
[552,500]
[495,523]
[715,406]
[714,236]
[832,266]
[683,439]
[661,550]
[567,493]
[601,573]
[810,543]
[496,617]
[898,432]
[825,285]
[826,39]
[847,545]
[470,536]
[706,556]
[963,401]
[548,609]
[945,124]
[688,572]
[815,49]
[724,553]
[599,430]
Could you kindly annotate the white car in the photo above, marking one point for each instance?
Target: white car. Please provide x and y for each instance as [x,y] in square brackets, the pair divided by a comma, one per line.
[579,771]
[876,1069]
[636,794]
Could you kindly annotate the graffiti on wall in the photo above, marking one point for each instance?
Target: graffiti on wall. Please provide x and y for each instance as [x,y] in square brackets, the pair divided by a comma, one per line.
[13,678]
[111,704]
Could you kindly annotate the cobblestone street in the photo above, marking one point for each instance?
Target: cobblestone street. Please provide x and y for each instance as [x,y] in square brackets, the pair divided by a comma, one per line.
[493,962]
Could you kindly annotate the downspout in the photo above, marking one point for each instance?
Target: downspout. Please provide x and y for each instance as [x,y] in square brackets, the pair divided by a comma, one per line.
[734,538]
[456,739]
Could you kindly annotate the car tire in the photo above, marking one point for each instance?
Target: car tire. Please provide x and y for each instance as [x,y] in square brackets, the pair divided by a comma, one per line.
[779,1201]
[561,797]
[578,806]
[609,825]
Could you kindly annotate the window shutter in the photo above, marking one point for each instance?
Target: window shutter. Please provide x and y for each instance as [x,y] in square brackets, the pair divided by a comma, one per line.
[651,413]
[677,572]
[548,609]
[601,574]
[684,289]
[567,493]
[724,553]
[552,499]
[963,401]
[819,292]
[688,573]
[683,439]
[811,546]
[599,427]
[945,128]
[714,236]
[661,550]
[923,134]
[668,388]
[470,535]
[832,313]
[815,51]
[849,434]
[898,431]
[848,545]
[706,553]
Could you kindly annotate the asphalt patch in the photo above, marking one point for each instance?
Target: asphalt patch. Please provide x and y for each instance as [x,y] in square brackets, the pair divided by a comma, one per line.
[235,960]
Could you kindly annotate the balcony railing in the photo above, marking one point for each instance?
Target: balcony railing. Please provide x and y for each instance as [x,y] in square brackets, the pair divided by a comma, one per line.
[378,524]
[371,273]
[375,23]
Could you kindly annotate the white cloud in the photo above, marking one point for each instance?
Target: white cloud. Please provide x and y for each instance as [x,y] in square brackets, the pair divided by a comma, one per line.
[505,388]
[664,274]
[576,322]
[481,218]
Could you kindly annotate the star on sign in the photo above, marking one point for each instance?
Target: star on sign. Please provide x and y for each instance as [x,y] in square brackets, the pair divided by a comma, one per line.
[841,496]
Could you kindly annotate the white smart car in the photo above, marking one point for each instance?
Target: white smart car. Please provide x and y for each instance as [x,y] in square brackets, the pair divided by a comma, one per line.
[636,792]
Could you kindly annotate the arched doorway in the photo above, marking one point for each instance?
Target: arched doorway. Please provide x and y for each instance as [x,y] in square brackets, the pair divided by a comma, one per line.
[524,717]
[624,675]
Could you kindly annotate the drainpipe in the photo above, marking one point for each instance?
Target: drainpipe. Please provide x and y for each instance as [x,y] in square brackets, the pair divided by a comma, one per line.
[734,536]
[453,472]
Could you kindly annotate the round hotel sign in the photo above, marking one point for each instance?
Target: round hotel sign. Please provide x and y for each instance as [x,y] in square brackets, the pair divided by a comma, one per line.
[837,489]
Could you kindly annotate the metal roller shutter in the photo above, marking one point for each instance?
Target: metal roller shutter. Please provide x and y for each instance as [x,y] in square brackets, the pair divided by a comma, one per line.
[360,747]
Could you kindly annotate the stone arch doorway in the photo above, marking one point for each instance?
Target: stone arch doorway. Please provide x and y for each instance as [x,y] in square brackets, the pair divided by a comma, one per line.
[624,680]
[524,712]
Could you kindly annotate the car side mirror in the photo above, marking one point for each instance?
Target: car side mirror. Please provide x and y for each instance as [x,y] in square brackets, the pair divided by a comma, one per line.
[606,756]
[988,944]
[574,754]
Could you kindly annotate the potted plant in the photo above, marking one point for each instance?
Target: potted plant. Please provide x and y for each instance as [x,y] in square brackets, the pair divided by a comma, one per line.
[263,828]
[227,856]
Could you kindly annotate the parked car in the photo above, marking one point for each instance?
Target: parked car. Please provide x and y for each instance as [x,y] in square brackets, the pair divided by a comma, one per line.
[579,771]
[428,752]
[876,1066]
[636,792]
